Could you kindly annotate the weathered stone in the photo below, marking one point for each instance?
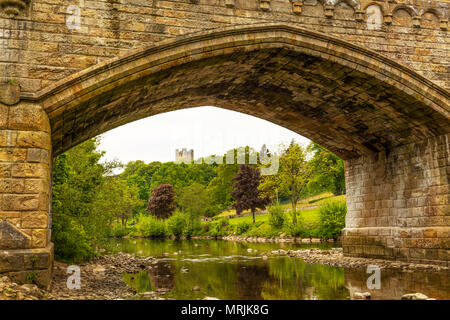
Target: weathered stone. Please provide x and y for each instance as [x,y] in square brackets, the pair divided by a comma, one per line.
[414,296]
[29,170]
[34,219]
[9,93]
[11,237]
[421,235]
[28,117]
[17,202]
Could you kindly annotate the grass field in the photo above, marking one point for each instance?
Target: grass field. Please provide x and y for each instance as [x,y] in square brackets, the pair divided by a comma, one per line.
[310,201]
[308,216]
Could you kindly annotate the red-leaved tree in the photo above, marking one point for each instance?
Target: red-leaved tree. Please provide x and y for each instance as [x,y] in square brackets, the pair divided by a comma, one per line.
[245,191]
[162,201]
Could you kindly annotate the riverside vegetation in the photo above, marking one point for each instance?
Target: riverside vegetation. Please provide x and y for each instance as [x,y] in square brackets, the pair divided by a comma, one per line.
[91,204]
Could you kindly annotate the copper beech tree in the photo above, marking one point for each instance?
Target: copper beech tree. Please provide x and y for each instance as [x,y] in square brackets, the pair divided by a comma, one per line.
[162,201]
[245,191]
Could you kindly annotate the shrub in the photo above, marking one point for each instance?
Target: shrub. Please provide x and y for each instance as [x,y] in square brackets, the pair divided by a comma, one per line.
[220,227]
[175,224]
[73,242]
[242,227]
[332,219]
[119,230]
[277,216]
[149,226]
[206,227]
[193,225]
[296,230]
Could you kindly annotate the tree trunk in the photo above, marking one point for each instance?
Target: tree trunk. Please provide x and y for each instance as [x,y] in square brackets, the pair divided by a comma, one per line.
[253,213]
[294,212]
[294,205]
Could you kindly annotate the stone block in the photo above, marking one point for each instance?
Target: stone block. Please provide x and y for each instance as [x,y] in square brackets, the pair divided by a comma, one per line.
[34,219]
[20,202]
[30,170]
[11,237]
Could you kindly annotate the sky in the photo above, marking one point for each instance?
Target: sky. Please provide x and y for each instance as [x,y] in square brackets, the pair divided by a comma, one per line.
[207,130]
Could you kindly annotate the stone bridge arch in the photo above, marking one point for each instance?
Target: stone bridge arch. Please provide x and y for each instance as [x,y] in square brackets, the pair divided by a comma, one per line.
[390,124]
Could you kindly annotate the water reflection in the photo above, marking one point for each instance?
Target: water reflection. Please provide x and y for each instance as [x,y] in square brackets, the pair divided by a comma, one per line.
[226,270]
[395,283]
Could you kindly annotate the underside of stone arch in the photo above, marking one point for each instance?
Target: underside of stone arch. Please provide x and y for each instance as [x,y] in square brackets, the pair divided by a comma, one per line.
[390,124]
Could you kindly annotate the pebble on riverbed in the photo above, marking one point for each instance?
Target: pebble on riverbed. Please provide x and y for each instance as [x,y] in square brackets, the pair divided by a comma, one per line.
[12,291]
[414,296]
[102,279]
[362,295]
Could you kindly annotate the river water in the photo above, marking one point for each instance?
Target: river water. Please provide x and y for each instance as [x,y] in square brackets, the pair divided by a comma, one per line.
[194,269]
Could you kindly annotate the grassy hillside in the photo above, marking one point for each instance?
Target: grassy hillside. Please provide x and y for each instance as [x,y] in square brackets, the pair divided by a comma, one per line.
[316,200]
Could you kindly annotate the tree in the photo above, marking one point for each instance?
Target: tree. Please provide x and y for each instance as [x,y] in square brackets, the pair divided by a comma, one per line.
[162,201]
[221,186]
[273,187]
[140,174]
[193,199]
[246,192]
[78,178]
[295,173]
[328,170]
[118,199]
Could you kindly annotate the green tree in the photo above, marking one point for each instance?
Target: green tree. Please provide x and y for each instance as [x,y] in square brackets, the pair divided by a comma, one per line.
[140,174]
[328,170]
[295,173]
[194,199]
[78,177]
[117,199]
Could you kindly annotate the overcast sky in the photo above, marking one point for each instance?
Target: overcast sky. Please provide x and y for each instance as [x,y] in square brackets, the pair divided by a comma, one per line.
[207,130]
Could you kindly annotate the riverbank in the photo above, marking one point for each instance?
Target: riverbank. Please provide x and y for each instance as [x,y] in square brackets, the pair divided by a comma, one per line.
[13,291]
[281,239]
[102,278]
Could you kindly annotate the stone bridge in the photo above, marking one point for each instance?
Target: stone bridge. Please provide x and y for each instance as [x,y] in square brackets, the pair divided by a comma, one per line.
[368,80]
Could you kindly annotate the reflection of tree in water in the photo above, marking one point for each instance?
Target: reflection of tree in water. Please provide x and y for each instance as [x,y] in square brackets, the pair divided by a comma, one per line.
[250,281]
[162,275]
[292,279]
[139,281]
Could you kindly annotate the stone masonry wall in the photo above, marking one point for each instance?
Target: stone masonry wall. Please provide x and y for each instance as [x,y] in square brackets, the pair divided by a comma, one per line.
[37,47]
[25,154]
[399,203]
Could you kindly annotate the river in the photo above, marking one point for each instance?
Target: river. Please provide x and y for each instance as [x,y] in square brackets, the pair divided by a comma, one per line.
[194,269]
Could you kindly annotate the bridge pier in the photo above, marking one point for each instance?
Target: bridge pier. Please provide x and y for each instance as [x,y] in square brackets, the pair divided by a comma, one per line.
[26,253]
[398,203]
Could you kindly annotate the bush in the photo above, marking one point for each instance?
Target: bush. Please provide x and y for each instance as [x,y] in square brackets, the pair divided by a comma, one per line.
[149,226]
[296,230]
[193,225]
[277,216]
[206,227]
[220,227]
[73,242]
[242,227]
[175,224]
[118,230]
[332,219]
